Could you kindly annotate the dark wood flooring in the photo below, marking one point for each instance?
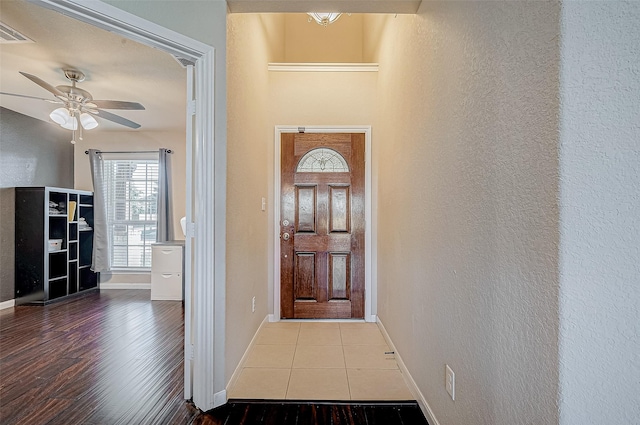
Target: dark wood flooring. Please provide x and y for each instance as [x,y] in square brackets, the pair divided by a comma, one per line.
[112,357]
[239,412]
[115,357]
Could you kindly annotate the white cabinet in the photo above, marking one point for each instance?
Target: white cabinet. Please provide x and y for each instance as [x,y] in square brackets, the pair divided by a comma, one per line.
[167,270]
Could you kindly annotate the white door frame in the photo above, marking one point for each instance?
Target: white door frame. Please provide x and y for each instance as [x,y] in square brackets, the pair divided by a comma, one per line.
[207,189]
[370,286]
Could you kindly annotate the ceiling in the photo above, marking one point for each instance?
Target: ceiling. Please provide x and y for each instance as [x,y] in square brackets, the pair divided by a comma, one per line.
[116,68]
[304,6]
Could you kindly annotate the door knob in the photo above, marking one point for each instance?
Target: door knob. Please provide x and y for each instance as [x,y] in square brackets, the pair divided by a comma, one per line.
[286,236]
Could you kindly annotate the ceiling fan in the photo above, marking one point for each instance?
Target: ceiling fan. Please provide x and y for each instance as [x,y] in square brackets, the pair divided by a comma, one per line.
[78,104]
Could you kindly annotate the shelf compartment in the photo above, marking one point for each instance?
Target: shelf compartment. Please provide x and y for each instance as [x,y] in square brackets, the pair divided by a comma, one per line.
[73,250]
[86,212]
[88,279]
[73,232]
[57,265]
[58,227]
[60,201]
[85,248]
[73,278]
[57,288]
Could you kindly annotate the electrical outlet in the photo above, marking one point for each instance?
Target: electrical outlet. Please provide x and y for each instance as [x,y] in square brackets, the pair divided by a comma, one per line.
[450,381]
[253,304]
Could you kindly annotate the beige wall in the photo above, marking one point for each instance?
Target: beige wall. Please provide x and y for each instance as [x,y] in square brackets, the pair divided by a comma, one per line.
[309,42]
[258,101]
[467,155]
[249,140]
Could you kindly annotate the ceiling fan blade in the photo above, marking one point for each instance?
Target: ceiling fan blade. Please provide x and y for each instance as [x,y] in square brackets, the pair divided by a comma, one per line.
[117,104]
[45,85]
[33,97]
[115,118]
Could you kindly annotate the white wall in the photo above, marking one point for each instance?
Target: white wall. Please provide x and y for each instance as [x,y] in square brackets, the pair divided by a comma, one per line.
[466,152]
[600,213]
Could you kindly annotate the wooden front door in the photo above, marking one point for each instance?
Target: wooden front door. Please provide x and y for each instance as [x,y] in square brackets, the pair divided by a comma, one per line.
[322,226]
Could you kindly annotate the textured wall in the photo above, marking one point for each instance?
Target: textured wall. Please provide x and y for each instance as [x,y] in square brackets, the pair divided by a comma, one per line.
[249,142]
[466,150]
[600,213]
[32,153]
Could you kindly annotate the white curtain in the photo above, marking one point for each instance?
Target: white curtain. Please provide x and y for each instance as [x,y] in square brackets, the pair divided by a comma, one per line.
[100,258]
[165,216]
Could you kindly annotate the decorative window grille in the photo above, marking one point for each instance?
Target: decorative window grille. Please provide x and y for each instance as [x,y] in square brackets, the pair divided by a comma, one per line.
[322,160]
[132,193]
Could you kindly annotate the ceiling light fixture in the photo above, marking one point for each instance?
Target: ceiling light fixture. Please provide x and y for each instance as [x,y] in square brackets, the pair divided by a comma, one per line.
[69,120]
[87,121]
[323,18]
[79,106]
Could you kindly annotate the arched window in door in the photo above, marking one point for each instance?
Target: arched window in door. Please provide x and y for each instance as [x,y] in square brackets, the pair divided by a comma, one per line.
[322,160]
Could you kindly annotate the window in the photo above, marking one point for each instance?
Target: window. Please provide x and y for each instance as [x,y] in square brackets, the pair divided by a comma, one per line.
[132,192]
[322,160]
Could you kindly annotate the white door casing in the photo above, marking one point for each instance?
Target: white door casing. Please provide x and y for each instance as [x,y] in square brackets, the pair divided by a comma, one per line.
[205,315]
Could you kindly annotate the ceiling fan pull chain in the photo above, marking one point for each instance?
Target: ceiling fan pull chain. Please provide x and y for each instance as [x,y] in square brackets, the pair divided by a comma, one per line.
[79,124]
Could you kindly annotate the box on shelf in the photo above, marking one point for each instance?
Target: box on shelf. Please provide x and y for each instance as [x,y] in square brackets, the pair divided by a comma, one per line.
[55,245]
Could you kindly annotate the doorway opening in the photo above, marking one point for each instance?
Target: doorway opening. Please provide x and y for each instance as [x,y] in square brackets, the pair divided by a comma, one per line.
[204,369]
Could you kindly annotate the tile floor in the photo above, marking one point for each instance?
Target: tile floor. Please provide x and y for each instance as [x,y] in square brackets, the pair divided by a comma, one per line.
[320,361]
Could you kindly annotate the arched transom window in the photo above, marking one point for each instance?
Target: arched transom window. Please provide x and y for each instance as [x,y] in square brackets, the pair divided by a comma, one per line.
[322,160]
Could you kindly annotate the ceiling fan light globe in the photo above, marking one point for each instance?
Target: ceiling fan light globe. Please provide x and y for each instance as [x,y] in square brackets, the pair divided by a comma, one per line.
[324,18]
[60,116]
[71,124]
[87,121]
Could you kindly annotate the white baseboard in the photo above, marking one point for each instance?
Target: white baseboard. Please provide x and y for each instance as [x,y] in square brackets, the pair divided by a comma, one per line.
[243,360]
[125,286]
[219,398]
[7,304]
[413,387]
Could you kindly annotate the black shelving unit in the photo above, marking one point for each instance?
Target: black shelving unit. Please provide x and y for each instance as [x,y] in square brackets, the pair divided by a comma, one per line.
[48,271]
